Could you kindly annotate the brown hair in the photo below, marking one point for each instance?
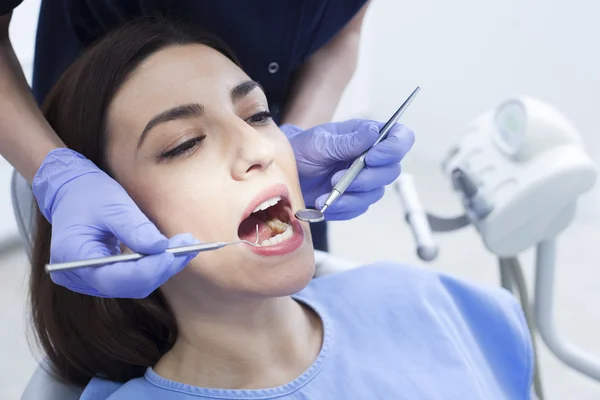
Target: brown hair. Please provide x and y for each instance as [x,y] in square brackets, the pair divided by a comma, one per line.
[84,336]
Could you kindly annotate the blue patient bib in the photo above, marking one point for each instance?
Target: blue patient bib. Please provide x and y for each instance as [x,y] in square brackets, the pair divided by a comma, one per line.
[391,332]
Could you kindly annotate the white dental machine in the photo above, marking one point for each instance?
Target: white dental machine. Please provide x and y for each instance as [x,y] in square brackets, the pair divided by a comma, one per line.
[519,170]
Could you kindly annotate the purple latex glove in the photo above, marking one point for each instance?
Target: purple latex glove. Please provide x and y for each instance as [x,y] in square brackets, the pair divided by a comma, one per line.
[325,152]
[90,213]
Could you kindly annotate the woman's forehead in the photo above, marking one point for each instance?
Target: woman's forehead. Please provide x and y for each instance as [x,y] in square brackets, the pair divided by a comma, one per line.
[177,75]
[184,68]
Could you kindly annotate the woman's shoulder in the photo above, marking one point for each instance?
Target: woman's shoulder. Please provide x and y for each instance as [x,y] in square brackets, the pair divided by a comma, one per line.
[399,306]
[389,280]
[397,282]
[393,291]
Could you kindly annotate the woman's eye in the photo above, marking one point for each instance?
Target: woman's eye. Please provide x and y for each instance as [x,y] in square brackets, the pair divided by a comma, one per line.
[183,148]
[260,118]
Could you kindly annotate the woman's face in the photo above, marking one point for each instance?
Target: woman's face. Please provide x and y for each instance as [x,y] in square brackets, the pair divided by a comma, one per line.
[191,140]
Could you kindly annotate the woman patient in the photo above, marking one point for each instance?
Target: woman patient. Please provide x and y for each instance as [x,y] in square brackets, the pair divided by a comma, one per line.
[168,113]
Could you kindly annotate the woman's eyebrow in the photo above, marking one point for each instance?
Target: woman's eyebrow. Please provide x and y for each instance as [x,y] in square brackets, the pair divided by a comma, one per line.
[241,90]
[184,111]
[194,110]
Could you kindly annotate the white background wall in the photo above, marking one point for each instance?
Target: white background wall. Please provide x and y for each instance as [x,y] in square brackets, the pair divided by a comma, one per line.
[469,55]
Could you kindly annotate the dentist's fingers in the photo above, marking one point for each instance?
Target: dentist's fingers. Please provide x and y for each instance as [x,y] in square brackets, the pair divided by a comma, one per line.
[370,178]
[350,205]
[132,279]
[393,149]
[134,229]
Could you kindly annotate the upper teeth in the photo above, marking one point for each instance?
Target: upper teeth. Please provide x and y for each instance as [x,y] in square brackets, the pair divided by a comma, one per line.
[267,203]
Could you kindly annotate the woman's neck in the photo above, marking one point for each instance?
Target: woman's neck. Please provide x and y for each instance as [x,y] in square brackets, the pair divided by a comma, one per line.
[252,345]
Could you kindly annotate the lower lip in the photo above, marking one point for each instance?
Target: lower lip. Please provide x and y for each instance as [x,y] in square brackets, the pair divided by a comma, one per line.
[284,247]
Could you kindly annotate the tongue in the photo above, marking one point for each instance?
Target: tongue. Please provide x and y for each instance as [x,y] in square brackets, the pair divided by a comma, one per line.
[247,229]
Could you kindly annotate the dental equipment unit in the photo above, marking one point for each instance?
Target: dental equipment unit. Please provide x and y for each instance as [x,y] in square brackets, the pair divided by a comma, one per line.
[518,170]
[177,251]
[309,215]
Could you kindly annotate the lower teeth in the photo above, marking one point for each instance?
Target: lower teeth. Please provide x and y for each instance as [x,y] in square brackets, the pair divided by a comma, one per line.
[277,225]
[285,235]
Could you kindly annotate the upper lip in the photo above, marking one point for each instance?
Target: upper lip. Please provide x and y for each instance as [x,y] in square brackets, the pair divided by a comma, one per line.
[273,191]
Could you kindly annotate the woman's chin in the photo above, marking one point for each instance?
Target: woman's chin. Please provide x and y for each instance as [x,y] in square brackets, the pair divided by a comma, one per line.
[257,276]
[288,276]
[286,284]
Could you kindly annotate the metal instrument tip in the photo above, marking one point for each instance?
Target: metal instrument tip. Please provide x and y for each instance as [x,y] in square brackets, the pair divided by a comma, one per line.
[255,244]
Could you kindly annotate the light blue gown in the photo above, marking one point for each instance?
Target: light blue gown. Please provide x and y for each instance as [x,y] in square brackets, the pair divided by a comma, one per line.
[392,333]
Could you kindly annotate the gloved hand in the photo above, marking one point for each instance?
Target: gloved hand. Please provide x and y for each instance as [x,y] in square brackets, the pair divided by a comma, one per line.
[90,213]
[325,152]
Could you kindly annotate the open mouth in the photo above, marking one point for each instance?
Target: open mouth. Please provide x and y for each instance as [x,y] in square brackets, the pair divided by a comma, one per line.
[273,218]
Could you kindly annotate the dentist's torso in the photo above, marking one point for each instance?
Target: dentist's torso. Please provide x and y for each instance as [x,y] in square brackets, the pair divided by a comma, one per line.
[271,38]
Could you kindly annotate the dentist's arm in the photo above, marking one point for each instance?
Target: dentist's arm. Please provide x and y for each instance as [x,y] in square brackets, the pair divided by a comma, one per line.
[25,136]
[319,84]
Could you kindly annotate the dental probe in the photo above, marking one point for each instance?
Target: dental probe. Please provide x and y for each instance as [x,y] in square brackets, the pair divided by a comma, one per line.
[308,215]
[177,251]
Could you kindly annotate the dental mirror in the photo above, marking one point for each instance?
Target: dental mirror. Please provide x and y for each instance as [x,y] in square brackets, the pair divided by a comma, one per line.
[309,215]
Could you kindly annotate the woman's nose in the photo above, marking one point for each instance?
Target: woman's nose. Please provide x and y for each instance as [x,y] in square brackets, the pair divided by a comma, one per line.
[255,153]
